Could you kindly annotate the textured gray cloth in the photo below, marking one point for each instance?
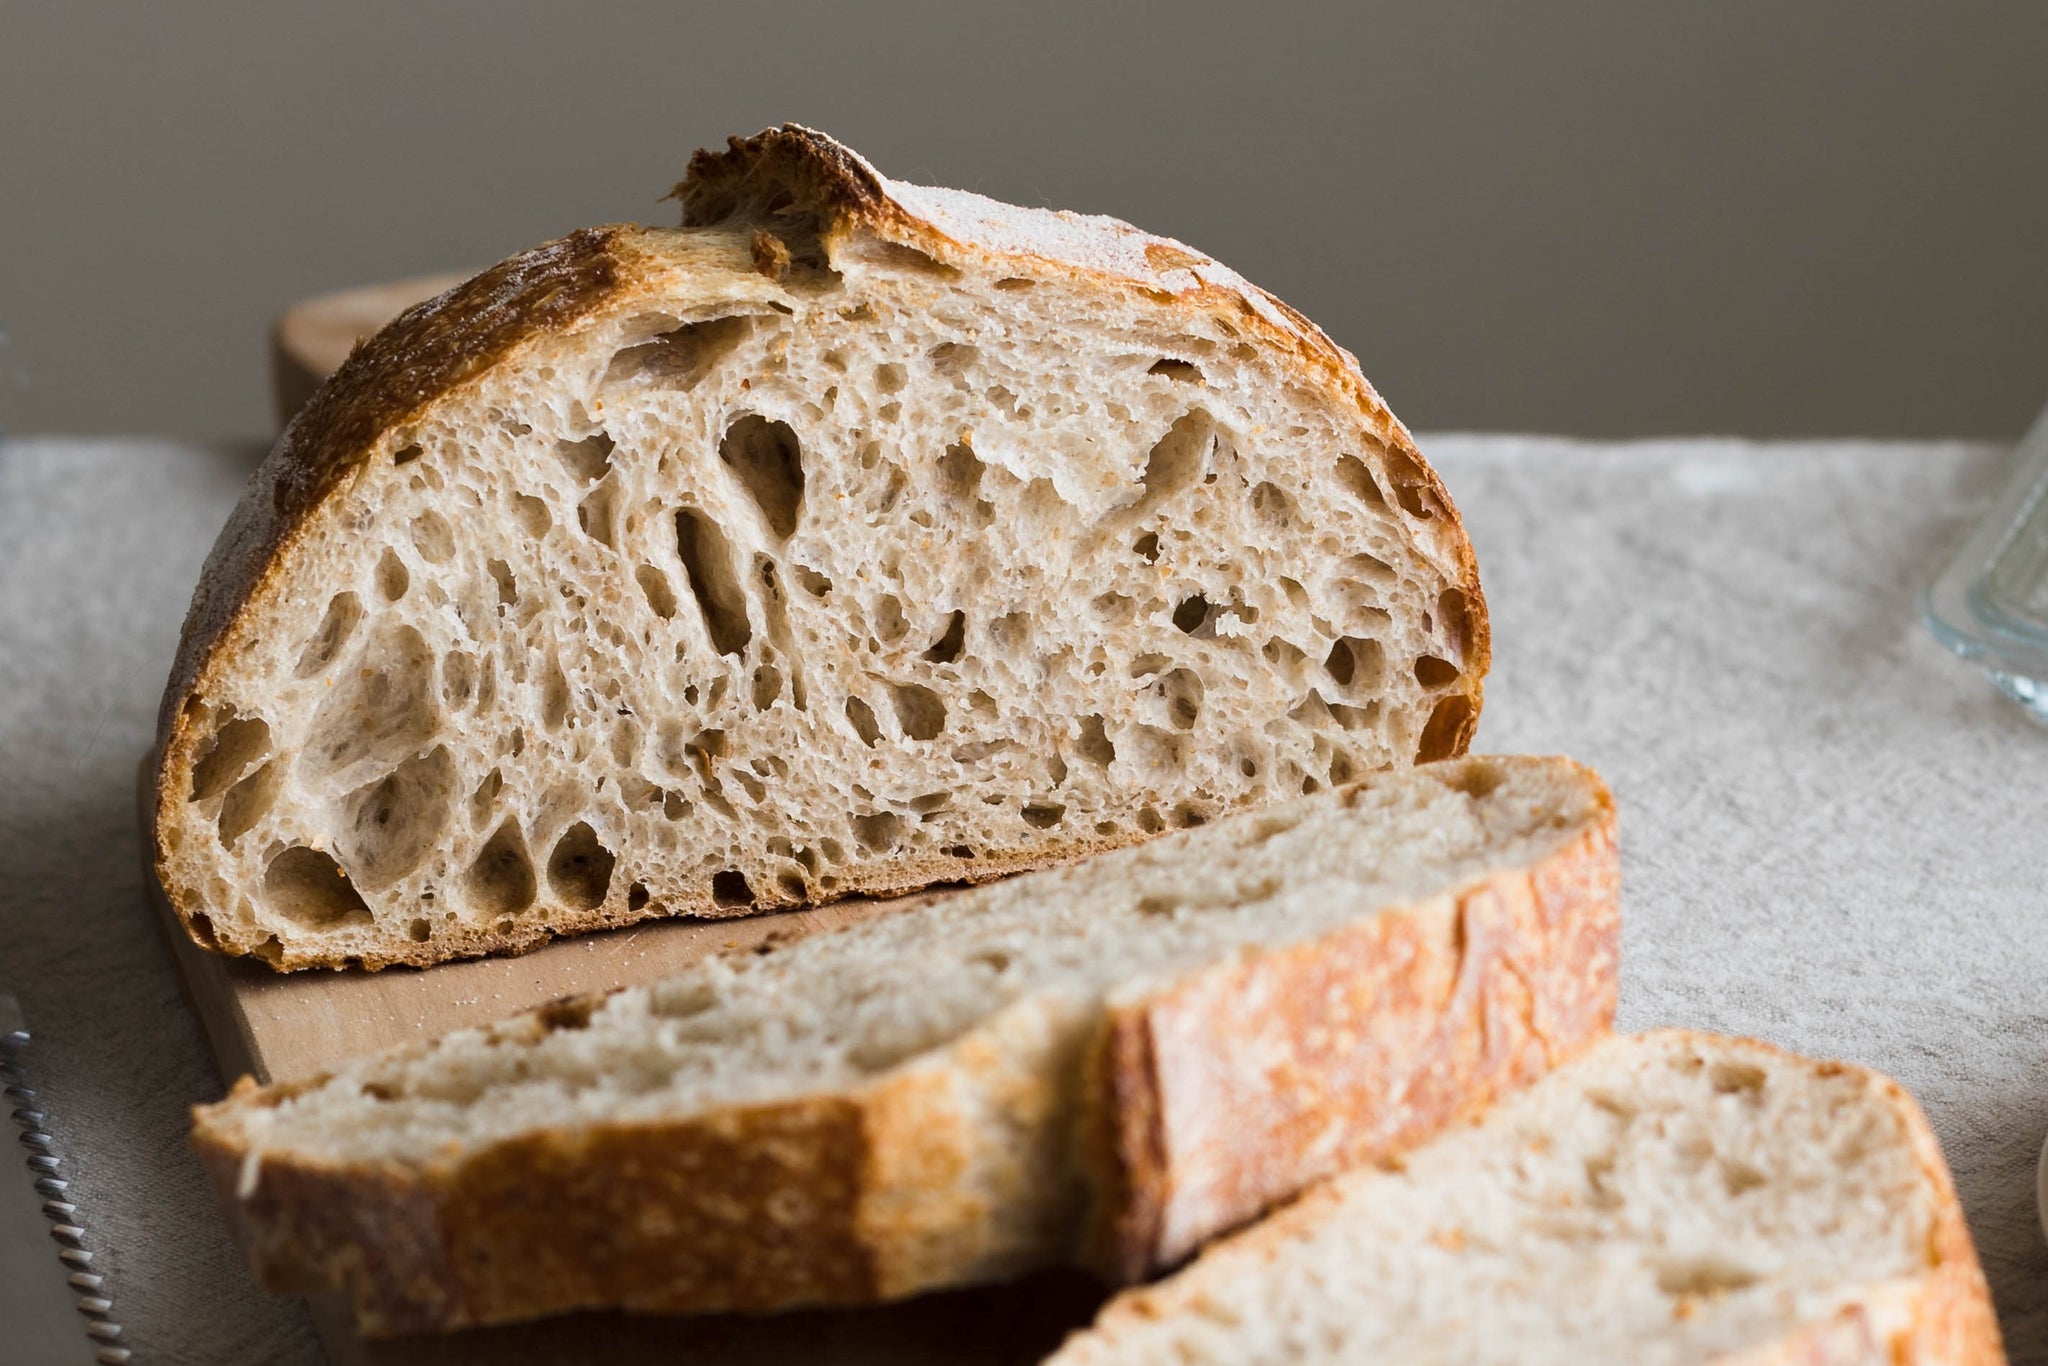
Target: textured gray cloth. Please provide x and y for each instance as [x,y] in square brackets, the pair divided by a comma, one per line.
[1832,831]
[100,544]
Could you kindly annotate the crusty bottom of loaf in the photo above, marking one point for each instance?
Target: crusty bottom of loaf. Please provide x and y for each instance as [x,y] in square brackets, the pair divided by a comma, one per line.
[523,937]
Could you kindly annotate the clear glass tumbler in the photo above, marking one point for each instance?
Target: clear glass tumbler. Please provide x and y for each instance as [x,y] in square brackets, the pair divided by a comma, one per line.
[1990,603]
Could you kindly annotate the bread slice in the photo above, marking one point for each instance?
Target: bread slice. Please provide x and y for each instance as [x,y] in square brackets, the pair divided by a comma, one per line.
[855,537]
[1667,1198]
[1108,1062]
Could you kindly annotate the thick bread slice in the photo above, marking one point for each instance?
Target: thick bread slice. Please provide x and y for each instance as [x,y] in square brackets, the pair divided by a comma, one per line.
[1107,1062]
[855,537]
[1667,1198]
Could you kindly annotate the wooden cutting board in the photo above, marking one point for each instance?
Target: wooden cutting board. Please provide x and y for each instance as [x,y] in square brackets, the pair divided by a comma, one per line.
[276,1026]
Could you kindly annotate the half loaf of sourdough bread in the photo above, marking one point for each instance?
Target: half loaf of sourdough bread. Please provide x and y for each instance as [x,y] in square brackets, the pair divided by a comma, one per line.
[1108,1062]
[1666,1198]
[852,538]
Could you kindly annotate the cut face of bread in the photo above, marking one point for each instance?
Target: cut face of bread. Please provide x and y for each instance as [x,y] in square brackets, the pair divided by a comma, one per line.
[1668,1198]
[856,538]
[1108,1062]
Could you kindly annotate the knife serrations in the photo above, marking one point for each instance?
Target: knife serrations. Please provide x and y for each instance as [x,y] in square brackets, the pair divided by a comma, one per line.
[67,1229]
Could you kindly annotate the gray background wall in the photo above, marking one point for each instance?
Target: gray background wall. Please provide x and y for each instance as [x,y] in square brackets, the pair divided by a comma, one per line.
[1578,216]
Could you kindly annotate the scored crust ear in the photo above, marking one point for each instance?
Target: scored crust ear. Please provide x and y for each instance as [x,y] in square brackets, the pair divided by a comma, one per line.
[785,223]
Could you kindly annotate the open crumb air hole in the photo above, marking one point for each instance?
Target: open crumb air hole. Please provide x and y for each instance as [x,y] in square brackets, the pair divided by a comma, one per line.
[389,826]
[769,462]
[249,801]
[1355,663]
[1434,673]
[344,611]
[500,881]
[920,712]
[393,578]
[946,649]
[433,537]
[1043,815]
[580,868]
[681,357]
[660,594]
[223,759]
[1095,744]
[707,560]
[310,889]
[878,832]
[1176,460]
[862,718]
[386,707]
[588,460]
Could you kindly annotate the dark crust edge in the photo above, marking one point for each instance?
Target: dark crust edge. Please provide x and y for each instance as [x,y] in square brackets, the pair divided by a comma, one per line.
[433,349]
[1528,977]
[1128,1150]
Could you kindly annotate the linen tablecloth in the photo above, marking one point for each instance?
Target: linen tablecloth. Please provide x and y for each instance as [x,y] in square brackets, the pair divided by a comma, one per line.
[1834,835]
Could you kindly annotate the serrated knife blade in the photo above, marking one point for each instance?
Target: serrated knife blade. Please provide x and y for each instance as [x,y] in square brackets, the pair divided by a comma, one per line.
[53,1302]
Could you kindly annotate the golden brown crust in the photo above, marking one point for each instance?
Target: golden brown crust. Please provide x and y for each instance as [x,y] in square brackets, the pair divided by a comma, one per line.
[427,352]
[1954,1320]
[1228,1086]
[779,170]
[804,182]
[316,335]
[747,1209]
